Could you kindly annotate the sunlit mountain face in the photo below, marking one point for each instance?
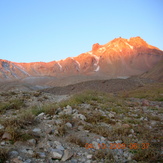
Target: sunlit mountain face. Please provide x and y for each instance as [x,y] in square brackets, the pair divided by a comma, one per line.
[117,58]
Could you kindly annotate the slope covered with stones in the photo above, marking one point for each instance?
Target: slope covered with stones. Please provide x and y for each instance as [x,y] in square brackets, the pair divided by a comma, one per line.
[87,127]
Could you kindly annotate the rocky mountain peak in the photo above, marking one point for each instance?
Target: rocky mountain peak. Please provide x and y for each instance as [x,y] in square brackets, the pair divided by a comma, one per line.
[119,57]
[95,46]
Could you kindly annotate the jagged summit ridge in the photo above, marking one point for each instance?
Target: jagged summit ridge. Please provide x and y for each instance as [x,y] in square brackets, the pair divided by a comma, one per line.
[119,57]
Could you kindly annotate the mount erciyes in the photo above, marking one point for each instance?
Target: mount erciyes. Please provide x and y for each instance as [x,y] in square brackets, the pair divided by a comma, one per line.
[118,58]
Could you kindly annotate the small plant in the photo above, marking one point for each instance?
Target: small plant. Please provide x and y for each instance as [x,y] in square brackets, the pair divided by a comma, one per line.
[25,136]
[100,130]
[3,155]
[103,154]
[66,117]
[149,154]
[13,104]
[36,110]
[37,94]
[76,140]
[62,130]
[95,117]
[47,109]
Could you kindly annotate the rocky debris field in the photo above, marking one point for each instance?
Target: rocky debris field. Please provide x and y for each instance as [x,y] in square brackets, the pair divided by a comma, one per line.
[112,85]
[89,127]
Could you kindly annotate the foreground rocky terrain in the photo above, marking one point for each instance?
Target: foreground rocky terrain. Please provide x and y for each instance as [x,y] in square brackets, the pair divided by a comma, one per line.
[90,126]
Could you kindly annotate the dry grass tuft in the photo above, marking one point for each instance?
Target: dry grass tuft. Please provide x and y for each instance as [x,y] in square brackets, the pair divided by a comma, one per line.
[76,140]
[103,154]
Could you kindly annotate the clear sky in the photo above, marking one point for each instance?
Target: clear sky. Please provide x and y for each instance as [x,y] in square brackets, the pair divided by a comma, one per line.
[47,30]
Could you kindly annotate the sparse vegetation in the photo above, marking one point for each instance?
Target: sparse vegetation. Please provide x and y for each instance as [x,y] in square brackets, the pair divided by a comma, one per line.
[85,97]
[149,154]
[150,92]
[95,117]
[112,116]
[3,155]
[76,140]
[100,130]
[103,154]
[13,104]
[62,130]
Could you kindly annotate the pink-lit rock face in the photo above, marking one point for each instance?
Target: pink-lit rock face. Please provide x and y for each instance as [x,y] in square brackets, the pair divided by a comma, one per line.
[119,57]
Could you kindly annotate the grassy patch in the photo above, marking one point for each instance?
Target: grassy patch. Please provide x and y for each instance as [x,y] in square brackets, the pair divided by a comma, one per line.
[120,110]
[103,154]
[150,154]
[95,117]
[88,97]
[151,92]
[116,133]
[13,104]
[62,129]
[100,130]
[76,140]
[47,109]
[3,155]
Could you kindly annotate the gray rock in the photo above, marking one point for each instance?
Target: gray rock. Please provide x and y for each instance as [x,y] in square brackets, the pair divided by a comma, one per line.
[74,161]
[95,145]
[126,154]
[80,128]
[103,139]
[142,118]
[41,145]
[86,106]
[27,161]
[132,131]
[16,160]
[13,154]
[67,155]
[68,110]
[7,136]
[1,127]
[60,147]
[111,114]
[29,152]
[37,130]
[157,106]
[88,161]
[56,153]
[50,131]
[32,142]
[89,156]
[3,143]
[74,111]
[58,121]
[153,123]
[41,154]
[41,115]
[80,116]
[69,125]
[57,143]
[118,141]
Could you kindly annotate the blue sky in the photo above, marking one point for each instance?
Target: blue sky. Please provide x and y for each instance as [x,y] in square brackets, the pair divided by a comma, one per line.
[47,30]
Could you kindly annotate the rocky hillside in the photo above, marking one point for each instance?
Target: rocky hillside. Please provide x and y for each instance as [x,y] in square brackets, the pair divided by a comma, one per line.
[118,58]
[91,127]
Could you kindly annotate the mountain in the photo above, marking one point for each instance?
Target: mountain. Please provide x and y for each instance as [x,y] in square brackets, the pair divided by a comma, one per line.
[118,58]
